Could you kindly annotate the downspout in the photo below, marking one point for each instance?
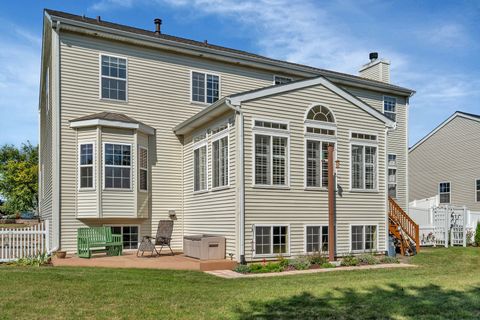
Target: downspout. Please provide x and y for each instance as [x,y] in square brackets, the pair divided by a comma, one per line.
[387,232]
[241,178]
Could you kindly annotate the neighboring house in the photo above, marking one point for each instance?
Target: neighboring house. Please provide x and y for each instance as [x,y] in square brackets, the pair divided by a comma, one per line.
[445,163]
[138,126]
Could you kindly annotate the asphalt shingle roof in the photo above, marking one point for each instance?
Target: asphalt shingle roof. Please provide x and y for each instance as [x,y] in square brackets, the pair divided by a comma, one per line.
[200,44]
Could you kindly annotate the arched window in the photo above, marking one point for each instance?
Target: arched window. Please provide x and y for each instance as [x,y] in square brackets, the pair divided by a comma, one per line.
[320,113]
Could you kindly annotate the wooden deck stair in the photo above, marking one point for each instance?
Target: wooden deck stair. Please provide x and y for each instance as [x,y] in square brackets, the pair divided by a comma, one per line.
[403,228]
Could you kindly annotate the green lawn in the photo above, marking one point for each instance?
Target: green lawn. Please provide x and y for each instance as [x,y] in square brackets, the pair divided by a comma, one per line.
[445,285]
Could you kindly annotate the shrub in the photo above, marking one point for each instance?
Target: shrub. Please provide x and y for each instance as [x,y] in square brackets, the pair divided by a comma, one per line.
[349,261]
[387,259]
[317,258]
[242,268]
[264,268]
[282,261]
[477,235]
[36,261]
[300,263]
[327,265]
[367,258]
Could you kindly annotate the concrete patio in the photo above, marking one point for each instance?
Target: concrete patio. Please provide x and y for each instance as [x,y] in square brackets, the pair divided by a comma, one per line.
[130,260]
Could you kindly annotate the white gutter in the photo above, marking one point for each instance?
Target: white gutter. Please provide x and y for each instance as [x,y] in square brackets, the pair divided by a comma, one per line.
[241,177]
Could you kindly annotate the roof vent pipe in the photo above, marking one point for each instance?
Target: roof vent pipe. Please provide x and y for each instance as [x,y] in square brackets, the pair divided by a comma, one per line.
[158,23]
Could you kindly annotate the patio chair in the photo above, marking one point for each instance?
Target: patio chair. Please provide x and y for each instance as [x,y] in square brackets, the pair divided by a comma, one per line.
[163,238]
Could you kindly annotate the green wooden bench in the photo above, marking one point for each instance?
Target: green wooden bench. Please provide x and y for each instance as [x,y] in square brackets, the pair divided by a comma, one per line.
[98,239]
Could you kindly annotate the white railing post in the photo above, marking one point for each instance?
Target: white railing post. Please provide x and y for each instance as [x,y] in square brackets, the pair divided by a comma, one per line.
[446,225]
[47,236]
[465,226]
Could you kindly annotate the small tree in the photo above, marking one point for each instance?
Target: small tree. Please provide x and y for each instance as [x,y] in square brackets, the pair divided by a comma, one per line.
[477,235]
[19,177]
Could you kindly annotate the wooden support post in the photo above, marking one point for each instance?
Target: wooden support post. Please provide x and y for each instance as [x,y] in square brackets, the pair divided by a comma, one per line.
[331,205]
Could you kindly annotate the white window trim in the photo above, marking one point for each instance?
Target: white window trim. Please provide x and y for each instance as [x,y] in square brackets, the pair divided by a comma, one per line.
[450,193]
[383,106]
[127,225]
[320,104]
[305,236]
[205,72]
[94,162]
[363,225]
[363,143]
[392,183]
[321,139]
[131,167]
[286,254]
[217,136]
[277,75]
[100,77]
[477,199]
[198,145]
[140,169]
[275,131]
[272,133]
[47,89]
[396,161]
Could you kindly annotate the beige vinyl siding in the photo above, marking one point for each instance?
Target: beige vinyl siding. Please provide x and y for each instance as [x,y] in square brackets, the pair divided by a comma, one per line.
[86,199]
[119,202]
[158,95]
[397,139]
[451,155]
[212,211]
[296,206]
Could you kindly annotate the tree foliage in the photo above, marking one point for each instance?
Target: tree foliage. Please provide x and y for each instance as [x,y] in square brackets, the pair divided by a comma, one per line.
[19,177]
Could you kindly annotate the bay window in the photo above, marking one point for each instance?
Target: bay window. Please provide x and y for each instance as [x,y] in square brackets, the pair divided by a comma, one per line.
[86,165]
[220,162]
[143,166]
[200,167]
[117,166]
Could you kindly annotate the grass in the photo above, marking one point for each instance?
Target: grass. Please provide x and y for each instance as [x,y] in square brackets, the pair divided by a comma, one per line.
[445,285]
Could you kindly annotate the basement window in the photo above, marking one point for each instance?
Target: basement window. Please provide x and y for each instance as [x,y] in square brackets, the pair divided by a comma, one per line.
[271,240]
[316,239]
[129,235]
[363,238]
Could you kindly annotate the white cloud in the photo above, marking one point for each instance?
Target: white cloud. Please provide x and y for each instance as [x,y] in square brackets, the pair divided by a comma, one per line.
[104,5]
[19,79]
[447,35]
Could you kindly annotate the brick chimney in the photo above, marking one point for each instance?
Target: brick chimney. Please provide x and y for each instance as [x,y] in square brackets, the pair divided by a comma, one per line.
[376,69]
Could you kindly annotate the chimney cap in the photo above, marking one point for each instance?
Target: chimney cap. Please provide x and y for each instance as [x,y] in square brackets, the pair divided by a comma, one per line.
[158,23]
[373,56]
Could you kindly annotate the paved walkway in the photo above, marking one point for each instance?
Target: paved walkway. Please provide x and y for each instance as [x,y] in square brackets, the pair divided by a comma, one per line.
[130,260]
[229,274]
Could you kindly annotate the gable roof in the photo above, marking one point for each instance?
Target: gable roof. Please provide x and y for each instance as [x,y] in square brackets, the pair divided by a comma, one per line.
[238,98]
[235,100]
[456,114]
[111,119]
[173,41]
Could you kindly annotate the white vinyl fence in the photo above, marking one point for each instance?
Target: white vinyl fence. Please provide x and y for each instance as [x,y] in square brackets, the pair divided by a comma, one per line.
[24,242]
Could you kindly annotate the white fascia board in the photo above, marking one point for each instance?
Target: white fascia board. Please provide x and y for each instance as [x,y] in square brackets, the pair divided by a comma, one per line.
[113,124]
[441,125]
[238,99]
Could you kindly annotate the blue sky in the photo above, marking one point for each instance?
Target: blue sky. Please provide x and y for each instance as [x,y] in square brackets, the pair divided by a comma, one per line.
[433,45]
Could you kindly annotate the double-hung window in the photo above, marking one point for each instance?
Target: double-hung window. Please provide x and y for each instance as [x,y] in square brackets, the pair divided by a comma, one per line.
[477,190]
[317,165]
[363,238]
[390,108]
[200,166]
[220,161]
[86,163]
[392,175]
[271,240]
[281,80]
[118,166]
[444,192]
[316,238]
[114,78]
[271,153]
[143,168]
[363,163]
[205,87]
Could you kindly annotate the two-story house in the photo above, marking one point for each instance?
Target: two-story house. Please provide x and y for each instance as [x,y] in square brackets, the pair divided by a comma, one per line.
[138,126]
